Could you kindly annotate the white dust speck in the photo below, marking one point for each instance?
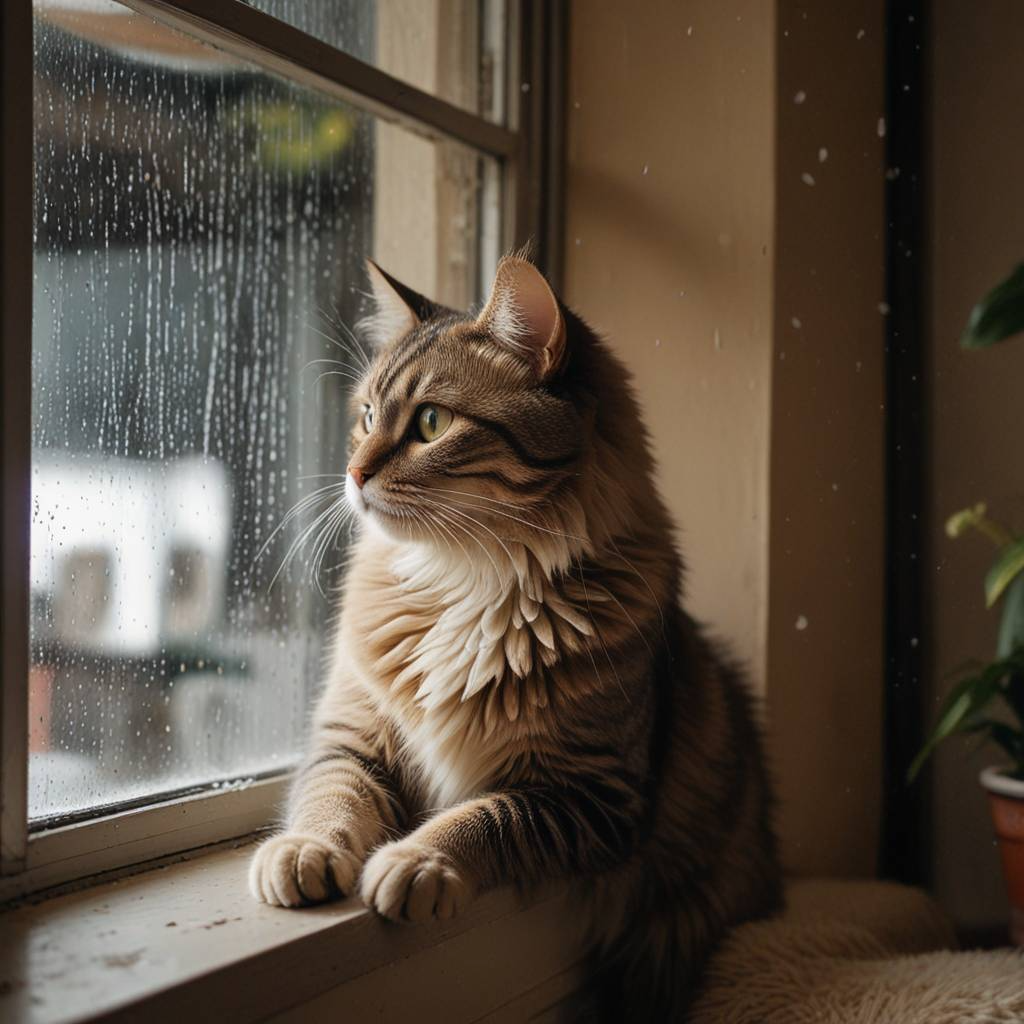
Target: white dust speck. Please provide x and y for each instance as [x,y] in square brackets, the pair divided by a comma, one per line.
[835,487]
[858,364]
[807,179]
[689,30]
[718,341]
[646,169]
[579,241]
[860,34]
[883,308]
[525,87]
[914,641]
[799,97]
[576,105]
[801,623]
[881,127]
[796,322]
[657,342]
[892,174]
[822,155]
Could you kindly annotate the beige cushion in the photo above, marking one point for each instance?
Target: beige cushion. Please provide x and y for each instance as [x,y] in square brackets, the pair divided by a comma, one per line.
[853,952]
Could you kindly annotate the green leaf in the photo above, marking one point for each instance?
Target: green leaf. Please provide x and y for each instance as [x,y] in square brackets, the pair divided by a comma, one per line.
[1005,736]
[1010,740]
[1011,625]
[999,315]
[1014,696]
[963,703]
[1004,570]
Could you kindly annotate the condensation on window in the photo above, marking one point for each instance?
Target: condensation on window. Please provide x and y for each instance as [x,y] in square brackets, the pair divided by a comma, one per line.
[200,234]
[454,49]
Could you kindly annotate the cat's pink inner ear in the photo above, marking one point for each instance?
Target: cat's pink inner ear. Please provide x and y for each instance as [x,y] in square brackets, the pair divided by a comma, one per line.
[392,316]
[522,313]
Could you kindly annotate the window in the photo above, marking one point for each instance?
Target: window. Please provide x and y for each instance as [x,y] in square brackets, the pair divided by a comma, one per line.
[207,179]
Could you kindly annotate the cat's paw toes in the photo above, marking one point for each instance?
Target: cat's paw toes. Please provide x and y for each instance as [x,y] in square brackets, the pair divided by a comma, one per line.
[411,881]
[296,870]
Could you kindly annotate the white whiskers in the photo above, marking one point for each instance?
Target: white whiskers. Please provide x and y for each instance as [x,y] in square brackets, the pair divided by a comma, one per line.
[325,528]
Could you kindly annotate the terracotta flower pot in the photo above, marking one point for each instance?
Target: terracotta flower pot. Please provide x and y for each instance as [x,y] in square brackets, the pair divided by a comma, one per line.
[1006,800]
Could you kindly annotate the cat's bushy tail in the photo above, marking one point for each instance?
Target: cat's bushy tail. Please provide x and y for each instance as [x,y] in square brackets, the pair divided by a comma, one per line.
[650,973]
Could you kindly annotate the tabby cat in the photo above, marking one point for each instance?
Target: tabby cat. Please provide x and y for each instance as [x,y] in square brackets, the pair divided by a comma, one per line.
[515,694]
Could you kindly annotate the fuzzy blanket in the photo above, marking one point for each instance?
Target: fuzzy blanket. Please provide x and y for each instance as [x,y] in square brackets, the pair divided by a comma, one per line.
[858,953]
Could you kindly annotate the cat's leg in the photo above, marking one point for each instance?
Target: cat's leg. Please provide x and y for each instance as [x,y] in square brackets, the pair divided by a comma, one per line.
[344,802]
[515,837]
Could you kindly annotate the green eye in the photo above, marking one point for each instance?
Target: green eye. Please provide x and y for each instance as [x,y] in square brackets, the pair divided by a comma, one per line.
[432,421]
[367,418]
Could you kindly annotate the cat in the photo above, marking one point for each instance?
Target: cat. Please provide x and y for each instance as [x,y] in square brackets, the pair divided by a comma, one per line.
[515,694]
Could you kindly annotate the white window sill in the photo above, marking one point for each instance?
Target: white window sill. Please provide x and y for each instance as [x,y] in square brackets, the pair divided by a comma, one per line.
[187,941]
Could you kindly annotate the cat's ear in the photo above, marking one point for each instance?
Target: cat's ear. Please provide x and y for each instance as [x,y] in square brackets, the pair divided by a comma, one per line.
[523,314]
[397,308]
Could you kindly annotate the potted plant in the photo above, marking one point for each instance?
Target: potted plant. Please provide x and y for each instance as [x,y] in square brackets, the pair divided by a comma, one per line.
[989,701]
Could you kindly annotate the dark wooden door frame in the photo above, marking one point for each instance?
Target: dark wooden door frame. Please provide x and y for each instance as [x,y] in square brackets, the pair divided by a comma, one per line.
[903,854]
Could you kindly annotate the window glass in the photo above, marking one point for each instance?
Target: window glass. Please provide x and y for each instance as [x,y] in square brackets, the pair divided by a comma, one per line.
[200,230]
[454,49]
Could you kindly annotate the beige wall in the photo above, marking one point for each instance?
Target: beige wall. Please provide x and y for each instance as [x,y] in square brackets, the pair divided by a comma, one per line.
[692,243]
[825,684]
[669,254]
[977,411]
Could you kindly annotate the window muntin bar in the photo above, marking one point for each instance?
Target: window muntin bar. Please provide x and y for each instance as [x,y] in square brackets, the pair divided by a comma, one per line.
[280,48]
[453,49]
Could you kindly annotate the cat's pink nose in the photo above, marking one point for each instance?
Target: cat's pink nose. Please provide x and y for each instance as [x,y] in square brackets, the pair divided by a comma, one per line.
[359,476]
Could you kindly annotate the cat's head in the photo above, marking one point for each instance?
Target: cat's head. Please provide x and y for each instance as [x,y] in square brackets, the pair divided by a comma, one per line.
[474,431]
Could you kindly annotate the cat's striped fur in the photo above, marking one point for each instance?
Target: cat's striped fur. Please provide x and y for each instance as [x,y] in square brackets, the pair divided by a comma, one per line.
[515,693]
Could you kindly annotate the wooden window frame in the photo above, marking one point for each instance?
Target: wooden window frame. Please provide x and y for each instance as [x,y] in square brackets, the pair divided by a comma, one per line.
[527,150]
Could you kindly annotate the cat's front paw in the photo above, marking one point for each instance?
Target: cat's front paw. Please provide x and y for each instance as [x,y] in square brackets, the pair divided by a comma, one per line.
[296,870]
[411,881]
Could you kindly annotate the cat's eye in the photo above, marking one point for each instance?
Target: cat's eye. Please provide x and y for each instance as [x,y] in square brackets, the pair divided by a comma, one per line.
[367,418]
[432,421]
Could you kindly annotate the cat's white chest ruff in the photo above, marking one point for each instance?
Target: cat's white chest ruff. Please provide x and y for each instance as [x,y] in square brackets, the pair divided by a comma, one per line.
[456,660]
[452,771]
[482,630]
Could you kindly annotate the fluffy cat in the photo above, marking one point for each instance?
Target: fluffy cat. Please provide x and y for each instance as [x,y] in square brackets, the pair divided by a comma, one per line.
[515,693]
